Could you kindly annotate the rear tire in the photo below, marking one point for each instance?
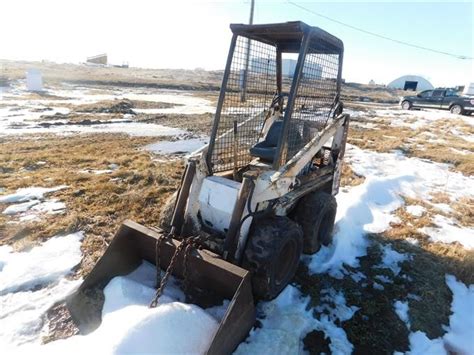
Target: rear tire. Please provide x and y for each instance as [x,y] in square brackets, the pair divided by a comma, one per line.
[272,255]
[406,105]
[456,109]
[316,213]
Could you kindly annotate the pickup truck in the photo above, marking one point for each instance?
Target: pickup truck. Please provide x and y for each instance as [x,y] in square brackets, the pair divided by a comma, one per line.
[445,99]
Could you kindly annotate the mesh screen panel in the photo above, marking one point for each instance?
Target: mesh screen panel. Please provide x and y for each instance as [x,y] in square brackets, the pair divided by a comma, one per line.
[314,100]
[249,115]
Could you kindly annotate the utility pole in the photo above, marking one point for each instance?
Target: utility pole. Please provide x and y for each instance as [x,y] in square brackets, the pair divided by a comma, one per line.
[244,79]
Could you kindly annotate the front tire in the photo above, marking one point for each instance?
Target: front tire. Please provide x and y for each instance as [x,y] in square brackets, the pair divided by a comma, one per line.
[406,105]
[272,255]
[456,109]
[166,213]
[316,213]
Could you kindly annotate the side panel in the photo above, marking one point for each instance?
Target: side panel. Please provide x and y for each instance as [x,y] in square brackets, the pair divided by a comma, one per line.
[216,201]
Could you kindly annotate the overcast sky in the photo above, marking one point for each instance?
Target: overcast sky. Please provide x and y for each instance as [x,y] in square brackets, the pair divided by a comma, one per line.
[190,34]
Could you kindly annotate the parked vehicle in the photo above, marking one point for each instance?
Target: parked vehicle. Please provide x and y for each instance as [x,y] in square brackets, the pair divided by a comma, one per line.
[444,99]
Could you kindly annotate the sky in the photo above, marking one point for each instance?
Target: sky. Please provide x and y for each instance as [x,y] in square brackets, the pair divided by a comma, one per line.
[195,34]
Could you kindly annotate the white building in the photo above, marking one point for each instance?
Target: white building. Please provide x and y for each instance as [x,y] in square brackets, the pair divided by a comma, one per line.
[288,67]
[469,89]
[411,82]
[34,80]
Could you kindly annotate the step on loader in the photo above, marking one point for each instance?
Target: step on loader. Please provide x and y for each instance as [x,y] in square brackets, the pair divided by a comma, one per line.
[256,197]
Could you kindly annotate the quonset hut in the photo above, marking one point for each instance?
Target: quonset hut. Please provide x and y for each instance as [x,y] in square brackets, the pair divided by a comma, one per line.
[411,82]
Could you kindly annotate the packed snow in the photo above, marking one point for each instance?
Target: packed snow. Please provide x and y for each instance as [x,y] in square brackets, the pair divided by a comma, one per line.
[130,326]
[31,282]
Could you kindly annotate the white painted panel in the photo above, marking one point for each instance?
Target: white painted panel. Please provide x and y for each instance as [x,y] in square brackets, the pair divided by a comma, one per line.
[216,201]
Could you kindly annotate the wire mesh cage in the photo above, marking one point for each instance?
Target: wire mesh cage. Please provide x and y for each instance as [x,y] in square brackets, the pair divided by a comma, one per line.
[248,96]
[249,90]
[314,101]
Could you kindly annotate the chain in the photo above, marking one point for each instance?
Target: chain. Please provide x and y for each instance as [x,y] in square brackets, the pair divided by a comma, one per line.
[195,242]
[158,258]
[187,246]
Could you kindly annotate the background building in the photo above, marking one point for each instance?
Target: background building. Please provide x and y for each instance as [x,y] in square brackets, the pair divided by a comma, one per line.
[98,59]
[411,82]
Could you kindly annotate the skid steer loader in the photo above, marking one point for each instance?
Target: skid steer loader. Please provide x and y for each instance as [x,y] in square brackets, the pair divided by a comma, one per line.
[258,195]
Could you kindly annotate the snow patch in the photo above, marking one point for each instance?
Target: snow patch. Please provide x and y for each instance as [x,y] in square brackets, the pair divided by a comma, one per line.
[401,309]
[391,259]
[446,231]
[285,322]
[420,344]
[369,207]
[19,207]
[31,282]
[460,337]
[415,210]
[178,146]
[43,264]
[29,193]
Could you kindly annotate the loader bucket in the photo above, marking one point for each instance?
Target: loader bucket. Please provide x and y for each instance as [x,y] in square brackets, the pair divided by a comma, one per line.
[134,243]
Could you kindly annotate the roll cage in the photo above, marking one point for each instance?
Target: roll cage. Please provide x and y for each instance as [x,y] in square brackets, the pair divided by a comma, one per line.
[255,82]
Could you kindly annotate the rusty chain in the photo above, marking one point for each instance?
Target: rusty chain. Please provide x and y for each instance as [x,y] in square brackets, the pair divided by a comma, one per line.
[185,245]
[158,258]
[195,243]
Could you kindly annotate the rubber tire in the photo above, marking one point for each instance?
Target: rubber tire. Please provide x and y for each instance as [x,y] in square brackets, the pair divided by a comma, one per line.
[410,105]
[269,240]
[166,213]
[461,111]
[316,213]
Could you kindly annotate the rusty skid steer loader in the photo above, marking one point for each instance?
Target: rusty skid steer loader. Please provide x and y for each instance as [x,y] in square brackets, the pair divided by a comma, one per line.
[258,195]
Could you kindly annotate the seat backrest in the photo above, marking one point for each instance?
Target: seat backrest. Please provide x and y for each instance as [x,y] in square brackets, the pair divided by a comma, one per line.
[271,139]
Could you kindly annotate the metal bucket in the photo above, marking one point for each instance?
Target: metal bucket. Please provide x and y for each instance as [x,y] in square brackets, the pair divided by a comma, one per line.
[134,243]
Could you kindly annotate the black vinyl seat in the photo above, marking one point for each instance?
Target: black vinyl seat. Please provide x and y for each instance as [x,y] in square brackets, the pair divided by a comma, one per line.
[266,149]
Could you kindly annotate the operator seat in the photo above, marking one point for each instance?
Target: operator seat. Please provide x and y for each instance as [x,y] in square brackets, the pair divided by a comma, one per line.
[266,149]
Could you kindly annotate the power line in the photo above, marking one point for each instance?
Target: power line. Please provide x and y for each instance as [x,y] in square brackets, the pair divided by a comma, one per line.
[379,35]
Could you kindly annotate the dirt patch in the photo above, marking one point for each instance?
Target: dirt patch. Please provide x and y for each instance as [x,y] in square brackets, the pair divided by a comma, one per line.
[316,343]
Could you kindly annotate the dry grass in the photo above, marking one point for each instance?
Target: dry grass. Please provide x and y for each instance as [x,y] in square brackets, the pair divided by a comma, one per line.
[349,177]
[452,258]
[414,142]
[97,204]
